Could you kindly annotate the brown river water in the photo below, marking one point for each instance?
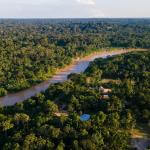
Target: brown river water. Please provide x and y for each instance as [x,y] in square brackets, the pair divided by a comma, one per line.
[77,67]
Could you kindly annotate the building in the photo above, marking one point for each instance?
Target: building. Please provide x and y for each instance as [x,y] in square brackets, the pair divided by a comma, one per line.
[104,91]
[104,97]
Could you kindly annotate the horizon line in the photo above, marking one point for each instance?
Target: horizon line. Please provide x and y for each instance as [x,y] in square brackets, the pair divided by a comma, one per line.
[75,18]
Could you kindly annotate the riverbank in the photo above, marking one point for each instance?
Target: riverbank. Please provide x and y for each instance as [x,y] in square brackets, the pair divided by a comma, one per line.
[77,66]
[34,79]
[53,71]
[140,137]
[98,52]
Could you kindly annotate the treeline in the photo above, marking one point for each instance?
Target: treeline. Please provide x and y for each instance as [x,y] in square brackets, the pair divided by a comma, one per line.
[122,21]
[31,52]
[34,125]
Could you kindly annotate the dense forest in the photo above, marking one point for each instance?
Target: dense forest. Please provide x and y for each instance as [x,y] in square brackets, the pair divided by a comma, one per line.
[113,92]
[34,124]
[133,72]
[32,50]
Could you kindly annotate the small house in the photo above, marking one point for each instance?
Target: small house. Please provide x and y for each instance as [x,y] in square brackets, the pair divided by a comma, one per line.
[104,91]
[104,97]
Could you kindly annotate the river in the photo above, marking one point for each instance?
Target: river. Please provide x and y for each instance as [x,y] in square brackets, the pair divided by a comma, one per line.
[77,67]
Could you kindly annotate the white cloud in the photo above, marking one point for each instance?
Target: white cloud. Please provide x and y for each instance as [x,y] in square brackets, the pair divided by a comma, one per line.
[74,8]
[90,8]
[86,2]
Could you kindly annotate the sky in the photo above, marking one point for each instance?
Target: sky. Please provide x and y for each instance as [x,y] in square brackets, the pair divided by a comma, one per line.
[74,8]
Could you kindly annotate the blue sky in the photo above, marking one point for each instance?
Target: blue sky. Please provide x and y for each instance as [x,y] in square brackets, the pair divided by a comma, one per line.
[73,8]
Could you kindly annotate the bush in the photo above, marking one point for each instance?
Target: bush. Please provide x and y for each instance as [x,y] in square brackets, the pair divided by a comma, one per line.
[3,92]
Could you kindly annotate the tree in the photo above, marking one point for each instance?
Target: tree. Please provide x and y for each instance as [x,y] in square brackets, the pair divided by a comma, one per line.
[50,106]
[97,138]
[100,118]
[60,146]
[87,144]
[113,120]
[6,125]
[115,104]
[3,92]
[21,118]
[29,142]
[129,121]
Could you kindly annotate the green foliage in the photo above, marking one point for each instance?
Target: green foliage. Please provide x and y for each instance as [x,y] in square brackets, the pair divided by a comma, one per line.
[32,51]
[3,92]
[133,92]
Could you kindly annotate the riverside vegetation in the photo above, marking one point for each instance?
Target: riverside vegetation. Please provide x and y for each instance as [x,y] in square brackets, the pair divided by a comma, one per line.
[32,50]
[33,124]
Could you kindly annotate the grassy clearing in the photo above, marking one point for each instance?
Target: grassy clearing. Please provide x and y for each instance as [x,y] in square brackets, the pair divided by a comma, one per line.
[105,81]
